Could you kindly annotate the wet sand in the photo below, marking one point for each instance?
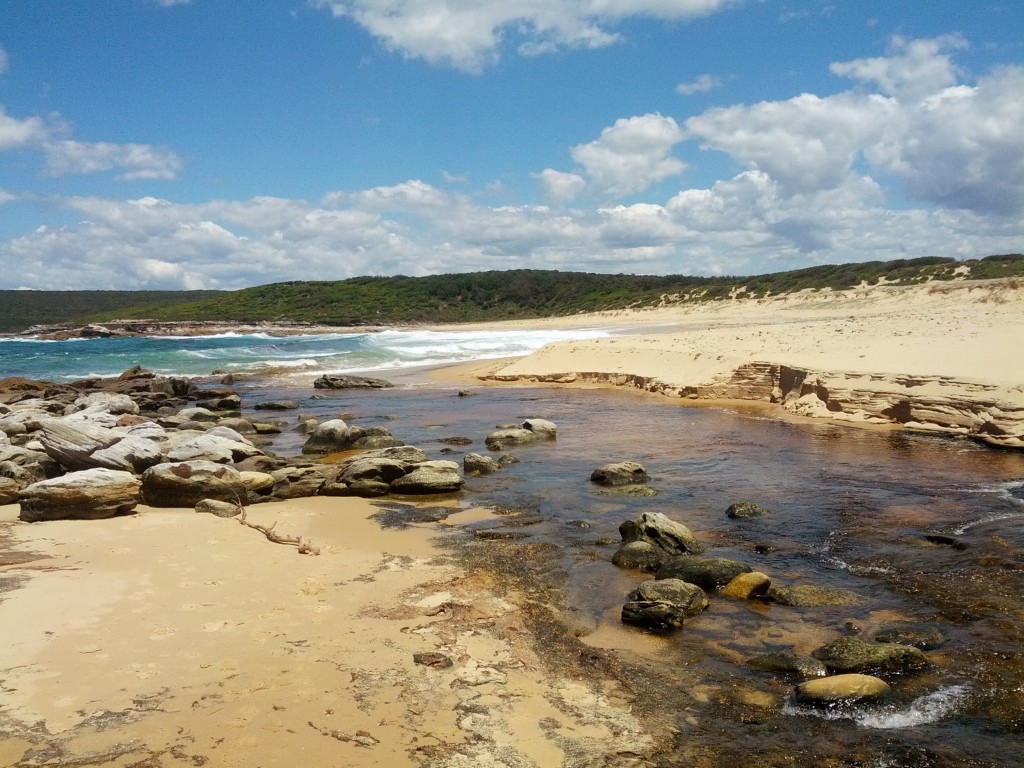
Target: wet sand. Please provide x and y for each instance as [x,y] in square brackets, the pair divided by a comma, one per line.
[175,638]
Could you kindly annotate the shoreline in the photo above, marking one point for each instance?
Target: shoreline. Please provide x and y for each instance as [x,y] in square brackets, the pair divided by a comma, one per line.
[936,359]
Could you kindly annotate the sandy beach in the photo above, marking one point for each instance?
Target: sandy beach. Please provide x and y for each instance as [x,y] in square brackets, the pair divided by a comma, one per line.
[170,638]
[175,638]
[940,357]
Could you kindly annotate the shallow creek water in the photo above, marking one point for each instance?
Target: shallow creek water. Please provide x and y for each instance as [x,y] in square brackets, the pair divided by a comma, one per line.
[849,508]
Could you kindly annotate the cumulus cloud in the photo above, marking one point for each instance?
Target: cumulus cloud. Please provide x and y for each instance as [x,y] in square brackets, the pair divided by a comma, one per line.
[469,34]
[65,156]
[134,161]
[700,84]
[631,155]
[912,70]
[15,133]
[955,146]
[561,187]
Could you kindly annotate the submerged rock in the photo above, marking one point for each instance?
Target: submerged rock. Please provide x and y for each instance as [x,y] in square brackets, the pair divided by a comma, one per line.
[811,596]
[709,573]
[785,662]
[923,636]
[475,464]
[851,654]
[530,431]
[744,509]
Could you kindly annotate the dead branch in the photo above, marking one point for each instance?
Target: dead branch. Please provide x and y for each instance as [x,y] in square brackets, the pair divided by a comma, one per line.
[306,547]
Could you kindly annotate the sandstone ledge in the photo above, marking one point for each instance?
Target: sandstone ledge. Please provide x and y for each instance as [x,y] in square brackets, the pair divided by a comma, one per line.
[991,413]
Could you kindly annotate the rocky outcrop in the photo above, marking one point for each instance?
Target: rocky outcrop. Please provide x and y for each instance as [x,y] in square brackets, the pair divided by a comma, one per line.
[475,464]
[338,381]
[335,435]
[744,509]
[530,431]
[91,494]
[429,477]
[991,413]
[666,534]
[81,445]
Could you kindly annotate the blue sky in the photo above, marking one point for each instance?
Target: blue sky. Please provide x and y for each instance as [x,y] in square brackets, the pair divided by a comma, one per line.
[218,144]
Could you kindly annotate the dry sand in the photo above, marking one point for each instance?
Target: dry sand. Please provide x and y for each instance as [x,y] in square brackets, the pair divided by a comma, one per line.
[952,349]
[175,638]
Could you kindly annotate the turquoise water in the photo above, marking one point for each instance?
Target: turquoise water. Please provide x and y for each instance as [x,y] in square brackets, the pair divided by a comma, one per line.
[265,354]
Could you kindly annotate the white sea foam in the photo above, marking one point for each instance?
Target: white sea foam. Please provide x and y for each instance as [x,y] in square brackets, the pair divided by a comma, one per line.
[924,710]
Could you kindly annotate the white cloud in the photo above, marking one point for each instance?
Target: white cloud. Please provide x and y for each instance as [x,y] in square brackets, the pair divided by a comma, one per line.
[631,155]
[560,186]
[6,197]
[15,133]
[700,84]
[912,70]
[468,34]
[954,146]
[134,161]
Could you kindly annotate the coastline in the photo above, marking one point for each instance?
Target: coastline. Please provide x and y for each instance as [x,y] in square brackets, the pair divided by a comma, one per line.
[936,357]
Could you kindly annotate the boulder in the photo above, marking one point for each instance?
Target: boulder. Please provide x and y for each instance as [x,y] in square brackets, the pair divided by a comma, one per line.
[107,402]
[639,556]
[530,431]
[197,414]
[224,447]
[90,494]
[226,402]
[81,445]
[238,425]
[851,654]
[185,484]
[663,605]
[218,508]
[475,464]
[666,534]
[332,436]
[378,469]
[811,596]
[258,485]
[405,453]
[747,586]
[277,405]
[338,381]
[299,482]
[923,636]
[841,688]
[708,573]
[744,509]
[10,490]
[429,477]
[623,473]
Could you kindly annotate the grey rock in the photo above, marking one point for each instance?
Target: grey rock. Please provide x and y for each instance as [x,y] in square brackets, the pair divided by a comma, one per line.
[622,473]
[299,482]
[709,573]
[218,508]
[277,405]
[784,662]
[336,381]
[197,414]
[639,556]
[238,425]
[811,596]
[475,464]
[663,605]
[666,534]
[497,440]
[332,436]
[90,494]
[429,477]
[852,654]
[744,509]
[81,445]
[923,636]
[185,484]
[547,430]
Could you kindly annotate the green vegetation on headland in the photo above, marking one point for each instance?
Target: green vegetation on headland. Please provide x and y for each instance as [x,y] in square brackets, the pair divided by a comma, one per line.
[498,295]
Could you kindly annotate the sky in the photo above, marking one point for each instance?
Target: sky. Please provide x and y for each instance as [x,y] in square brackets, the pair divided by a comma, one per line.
[217,144]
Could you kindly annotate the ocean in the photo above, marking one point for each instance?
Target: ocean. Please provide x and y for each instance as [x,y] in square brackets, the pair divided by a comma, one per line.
[262,354]
[923,529]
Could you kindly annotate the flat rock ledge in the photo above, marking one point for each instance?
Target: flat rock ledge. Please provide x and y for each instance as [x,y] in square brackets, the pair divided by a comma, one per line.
[991,413]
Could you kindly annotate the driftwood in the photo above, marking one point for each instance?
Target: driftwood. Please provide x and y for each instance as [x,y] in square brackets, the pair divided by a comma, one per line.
[306,547]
